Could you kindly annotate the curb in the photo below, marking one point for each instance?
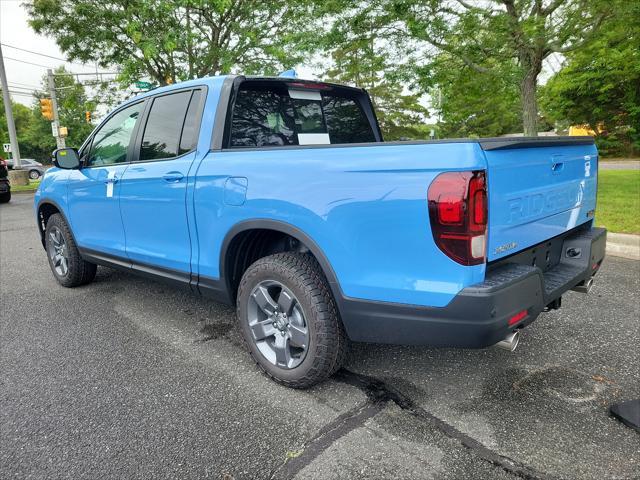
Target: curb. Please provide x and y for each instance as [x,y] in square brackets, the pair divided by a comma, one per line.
[623,245]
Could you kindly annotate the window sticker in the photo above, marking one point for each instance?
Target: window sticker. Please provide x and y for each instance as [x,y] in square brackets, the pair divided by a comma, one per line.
[110,178]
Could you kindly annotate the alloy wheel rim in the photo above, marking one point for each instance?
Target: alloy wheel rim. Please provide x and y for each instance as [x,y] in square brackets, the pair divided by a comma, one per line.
[277,324]
[58,252]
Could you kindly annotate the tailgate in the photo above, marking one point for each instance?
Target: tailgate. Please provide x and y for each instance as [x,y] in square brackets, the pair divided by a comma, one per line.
[536,193]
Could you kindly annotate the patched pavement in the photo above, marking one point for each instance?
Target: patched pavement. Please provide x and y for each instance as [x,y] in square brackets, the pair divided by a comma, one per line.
[131,378]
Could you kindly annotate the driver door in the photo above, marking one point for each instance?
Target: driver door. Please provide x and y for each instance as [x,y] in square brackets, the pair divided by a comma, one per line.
[93,190]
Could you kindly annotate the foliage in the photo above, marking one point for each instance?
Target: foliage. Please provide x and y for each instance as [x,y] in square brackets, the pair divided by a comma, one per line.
[619,200]
[364,54]
[470,103]
[171,40]
[487,34]
[478,60]
[32,186]
[600,85]
[22,117]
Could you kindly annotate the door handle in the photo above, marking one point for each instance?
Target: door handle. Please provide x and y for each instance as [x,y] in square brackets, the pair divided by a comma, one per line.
[173,177]
[113,179]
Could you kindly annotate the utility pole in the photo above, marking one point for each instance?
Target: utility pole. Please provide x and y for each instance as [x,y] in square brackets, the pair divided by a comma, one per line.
[11,126]
[55,125]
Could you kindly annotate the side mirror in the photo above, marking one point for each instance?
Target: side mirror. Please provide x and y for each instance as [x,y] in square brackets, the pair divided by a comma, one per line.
[66,158]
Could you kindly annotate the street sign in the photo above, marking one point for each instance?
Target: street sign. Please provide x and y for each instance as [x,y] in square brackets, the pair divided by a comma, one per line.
[143,85]
[54,129]
[6,147]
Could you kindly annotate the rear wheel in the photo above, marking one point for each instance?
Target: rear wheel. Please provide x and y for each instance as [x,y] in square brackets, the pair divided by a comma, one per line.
[289,320]
[67,266]
[34,174]
[5,197]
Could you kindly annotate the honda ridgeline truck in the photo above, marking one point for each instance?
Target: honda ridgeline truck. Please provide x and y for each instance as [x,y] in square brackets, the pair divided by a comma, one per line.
[279,196]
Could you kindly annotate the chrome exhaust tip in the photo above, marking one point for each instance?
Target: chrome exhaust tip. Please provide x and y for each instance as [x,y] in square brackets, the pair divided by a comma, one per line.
[584,287]
[510,342]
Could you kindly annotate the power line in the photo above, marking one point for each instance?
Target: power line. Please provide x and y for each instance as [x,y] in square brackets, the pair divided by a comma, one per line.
[30,63]
[42,54]
[85,73]
[24,85]
[24,94]
[21,88]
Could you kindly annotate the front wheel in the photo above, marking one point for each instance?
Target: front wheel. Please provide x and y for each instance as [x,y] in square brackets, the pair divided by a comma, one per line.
[289,320]
[67,266]
[34,174]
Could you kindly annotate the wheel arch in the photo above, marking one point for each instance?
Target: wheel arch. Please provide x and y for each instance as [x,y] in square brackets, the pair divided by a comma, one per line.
[228,253]
[46,208]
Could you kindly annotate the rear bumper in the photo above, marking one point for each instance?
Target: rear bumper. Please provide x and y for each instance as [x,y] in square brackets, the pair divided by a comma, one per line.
[478,316]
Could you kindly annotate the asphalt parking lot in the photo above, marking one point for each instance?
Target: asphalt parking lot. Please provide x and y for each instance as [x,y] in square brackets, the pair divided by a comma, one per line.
[128,378]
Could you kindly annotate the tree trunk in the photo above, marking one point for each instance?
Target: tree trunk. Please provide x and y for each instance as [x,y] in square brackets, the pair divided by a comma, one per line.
[529,103]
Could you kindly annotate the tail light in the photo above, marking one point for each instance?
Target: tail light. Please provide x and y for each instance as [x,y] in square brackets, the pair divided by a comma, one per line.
[458,214]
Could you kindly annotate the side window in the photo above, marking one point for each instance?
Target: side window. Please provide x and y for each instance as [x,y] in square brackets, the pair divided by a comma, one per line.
[346,121]
[161,138]
[191,128]
[111,142]
[262,117]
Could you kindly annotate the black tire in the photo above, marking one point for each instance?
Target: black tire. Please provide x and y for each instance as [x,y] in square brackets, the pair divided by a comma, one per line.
[327,342]
[34,174]
[78,271]
[5,197]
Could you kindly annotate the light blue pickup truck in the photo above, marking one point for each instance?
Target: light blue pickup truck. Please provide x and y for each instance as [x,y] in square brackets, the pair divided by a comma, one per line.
[279,196]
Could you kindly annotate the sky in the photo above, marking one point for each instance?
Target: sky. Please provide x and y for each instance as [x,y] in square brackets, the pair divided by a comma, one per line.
[15,32]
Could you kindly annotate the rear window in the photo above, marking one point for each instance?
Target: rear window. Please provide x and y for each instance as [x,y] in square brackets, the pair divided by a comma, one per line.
[276,116]
[346,121]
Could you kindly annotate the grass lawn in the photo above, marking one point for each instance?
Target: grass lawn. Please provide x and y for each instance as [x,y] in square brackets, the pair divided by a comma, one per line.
[619,200]
[32,187]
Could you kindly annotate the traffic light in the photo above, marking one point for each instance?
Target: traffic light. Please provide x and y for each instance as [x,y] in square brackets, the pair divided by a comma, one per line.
[87,116]
[46,108]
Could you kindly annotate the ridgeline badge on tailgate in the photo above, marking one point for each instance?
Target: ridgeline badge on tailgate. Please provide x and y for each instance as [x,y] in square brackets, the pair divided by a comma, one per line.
[505,247]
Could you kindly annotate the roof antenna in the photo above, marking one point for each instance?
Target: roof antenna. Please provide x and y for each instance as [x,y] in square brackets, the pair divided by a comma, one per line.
[291,73]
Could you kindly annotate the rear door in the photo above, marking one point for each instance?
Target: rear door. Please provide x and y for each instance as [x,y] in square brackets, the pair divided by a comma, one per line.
[93,190]
[154,187]
[538,193]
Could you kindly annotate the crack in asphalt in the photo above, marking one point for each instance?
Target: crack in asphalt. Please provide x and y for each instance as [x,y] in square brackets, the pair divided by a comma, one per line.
[379,394]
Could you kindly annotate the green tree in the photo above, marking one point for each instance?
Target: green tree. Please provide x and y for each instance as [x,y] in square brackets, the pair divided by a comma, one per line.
[364,54]
[471,104]
[22,117]
[489,33]
[600,85]
[170,40]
